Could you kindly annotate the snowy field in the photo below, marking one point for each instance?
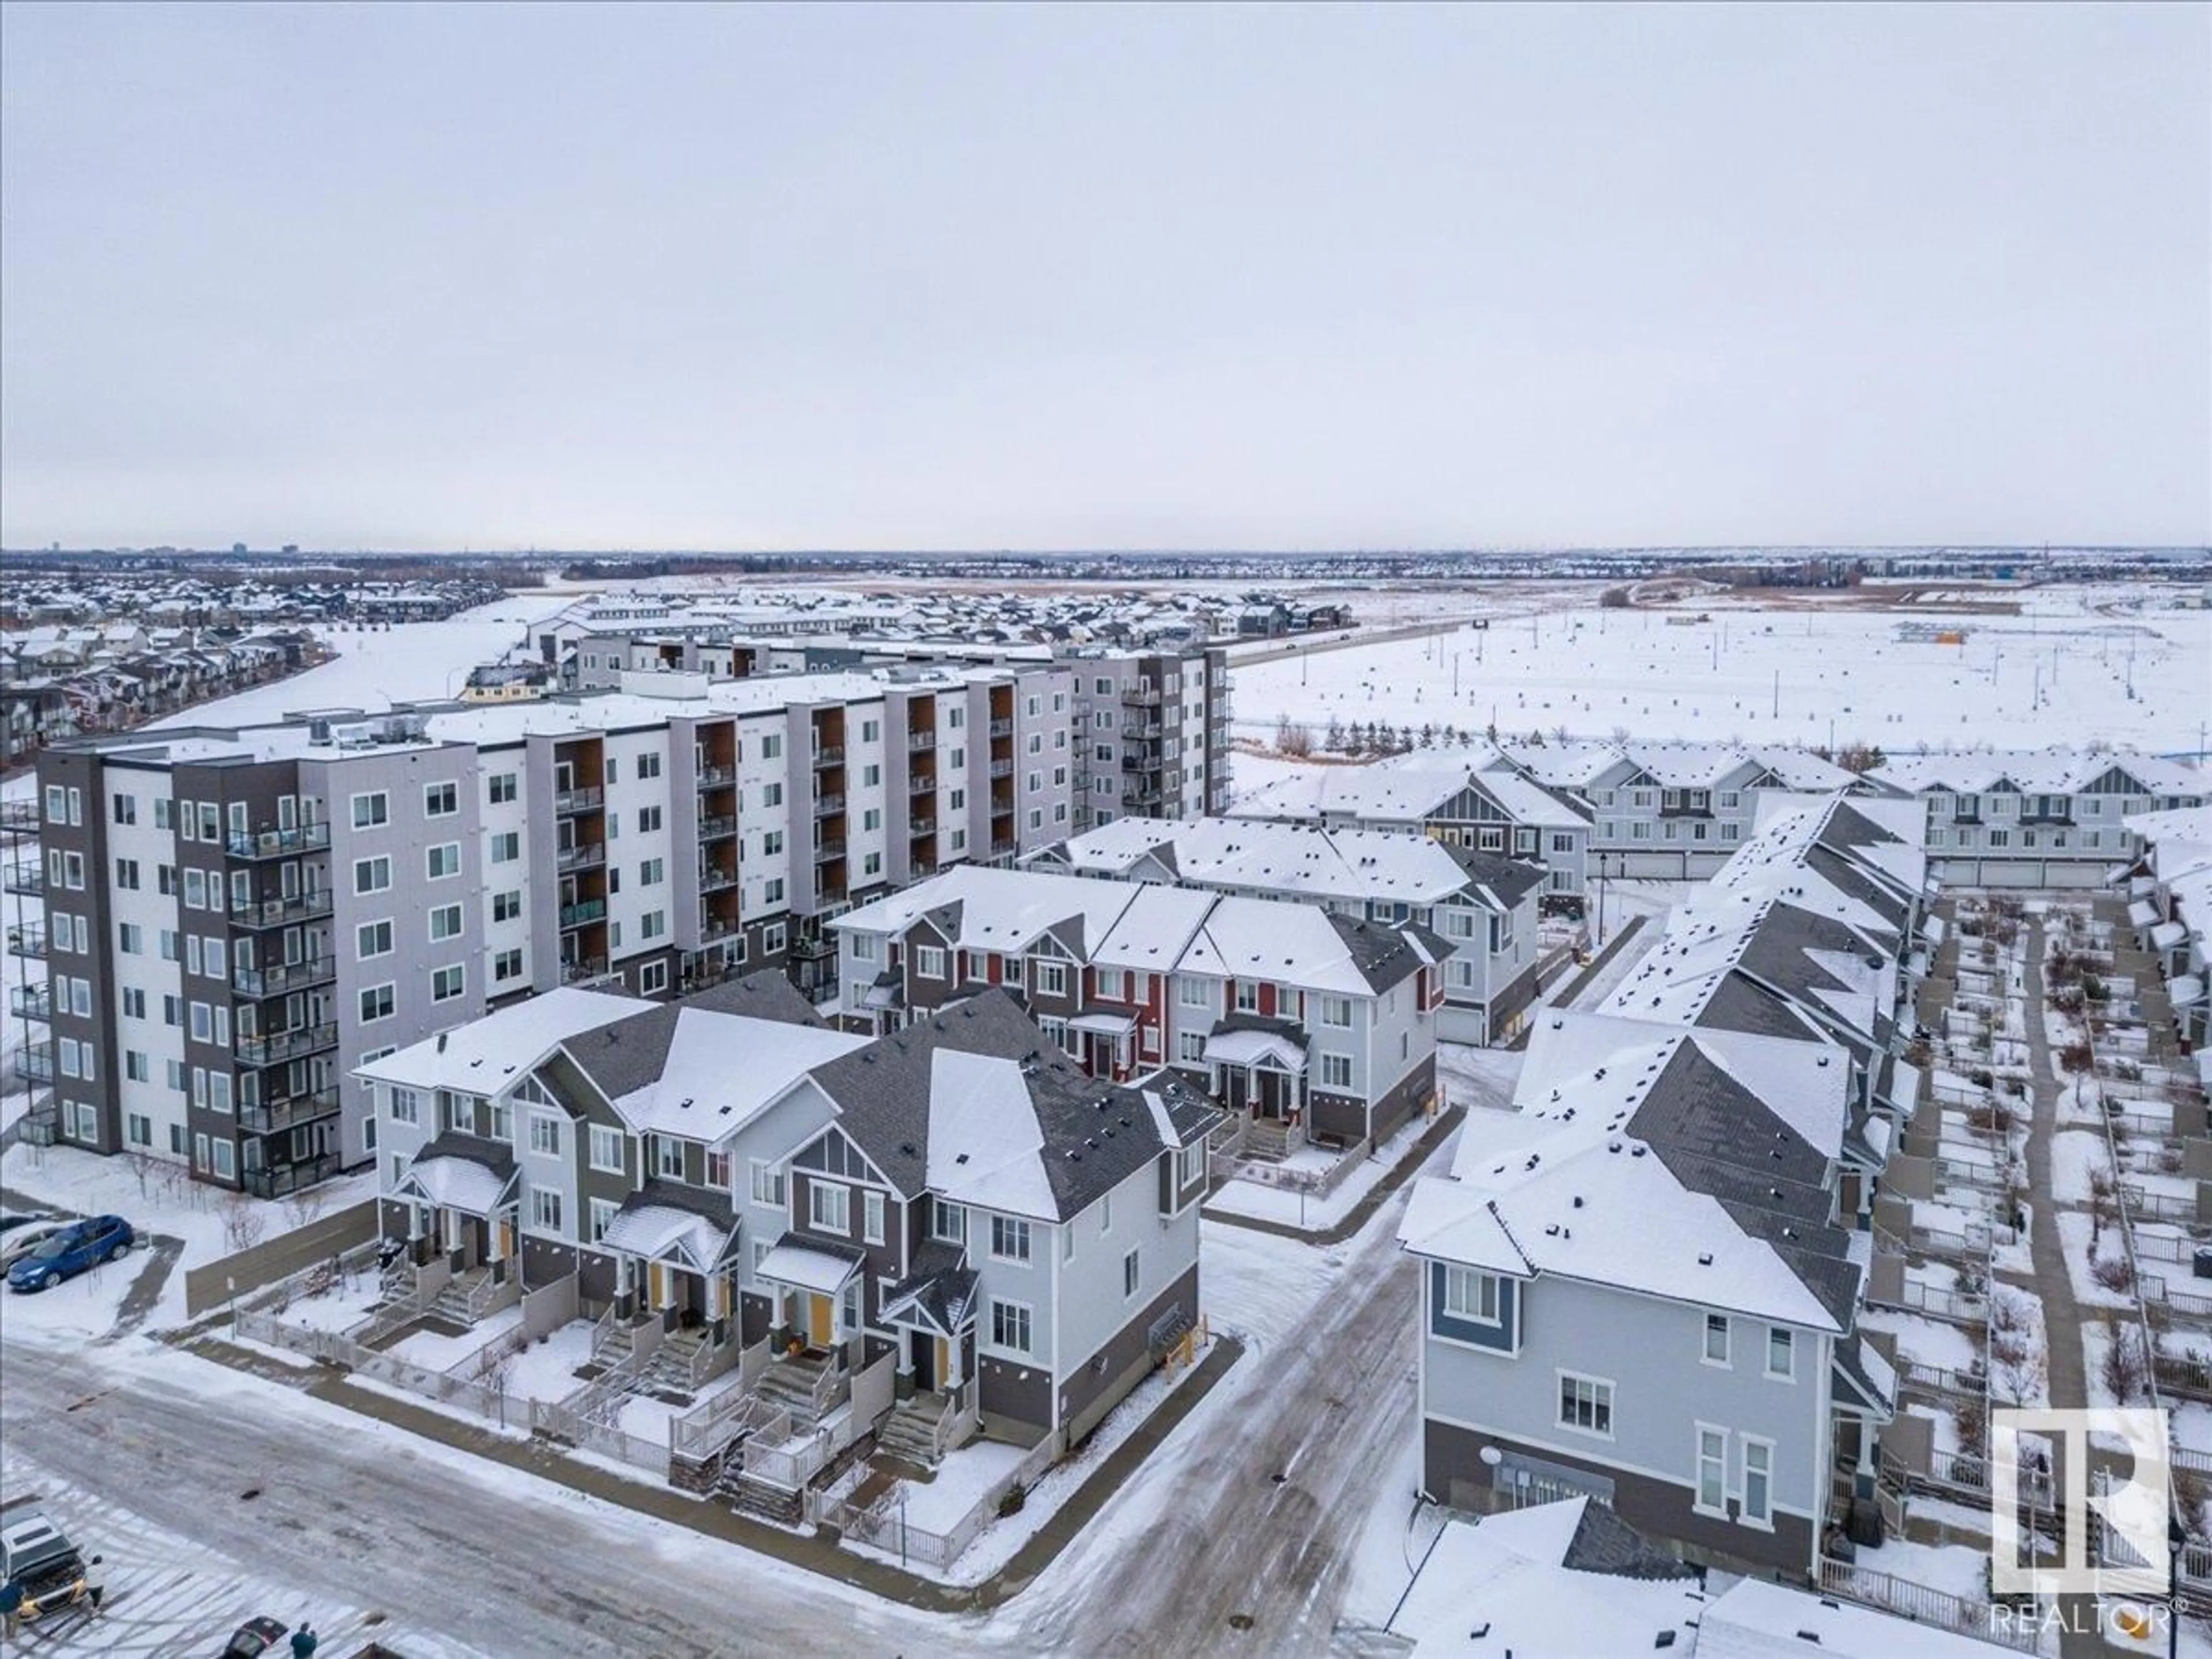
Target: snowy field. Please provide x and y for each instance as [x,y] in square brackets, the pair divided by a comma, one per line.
[1801,674]
[374,670]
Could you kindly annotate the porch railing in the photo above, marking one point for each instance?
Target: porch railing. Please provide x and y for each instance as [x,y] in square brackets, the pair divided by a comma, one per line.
[1925,1605]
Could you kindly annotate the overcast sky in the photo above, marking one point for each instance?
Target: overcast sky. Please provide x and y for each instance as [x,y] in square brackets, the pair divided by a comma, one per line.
[426,277]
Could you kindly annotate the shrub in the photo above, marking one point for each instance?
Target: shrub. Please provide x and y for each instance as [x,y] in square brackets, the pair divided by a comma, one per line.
[2112,1273]
[1012,1503]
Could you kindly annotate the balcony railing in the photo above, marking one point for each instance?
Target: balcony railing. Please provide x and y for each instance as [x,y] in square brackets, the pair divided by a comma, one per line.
[716,928]
[1141,696]
[1002,728]
[711,880]
[584,856]
[283,977]
[1144,729]
[36,1063]
[583,967]
[289,1177]
[826,850]
[918,741]
[277,912]
[583,912]
[277,843]
[579,800]
[29,876]
[716,777]
[1002,769]
[717,829]
[27,940]
[1000,848]
[31,1001]
[922,783]
[829,754]
[19,815]
[272,1115]
[921,827]
[280,1046]
[1149,796]
[826,806]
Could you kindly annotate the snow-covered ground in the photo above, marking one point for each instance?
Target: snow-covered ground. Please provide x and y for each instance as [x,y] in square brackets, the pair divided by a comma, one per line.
[1301,1209]
[1780,673]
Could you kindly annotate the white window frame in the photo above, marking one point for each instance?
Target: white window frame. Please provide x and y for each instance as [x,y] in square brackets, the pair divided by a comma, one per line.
[1601,1403]
[1788,1371]
[1720,1325]
[1709,1491]
[1762,1519]
[817,1209]
[1027,1348]
[1011,1239]
[1466,1289]
[602,1137]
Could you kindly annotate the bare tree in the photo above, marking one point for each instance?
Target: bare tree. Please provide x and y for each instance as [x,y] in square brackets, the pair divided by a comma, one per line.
[145,1169]
[301,1207]
[244,1221]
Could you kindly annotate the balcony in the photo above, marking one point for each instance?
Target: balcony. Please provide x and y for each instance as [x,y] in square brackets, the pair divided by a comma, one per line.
[917,742]
[18,816]
[277,843]
[1002,769]
[279,912]
[583,913]
[583,855]
[274,1115]
[826,850]
[1139,760]
[1002,848]
[922,783]
[711,880]
[717,777]
[289,1177]
[35,1064]
[829,754]
[279,977]
[575,971]
[27,940]
[717,829]
[828,806]
[717,927]
[571,801]
[921,827]
[1141,696]
[31,1001]
[1142,729]
[1149,795]
[29,876]
[281,1046]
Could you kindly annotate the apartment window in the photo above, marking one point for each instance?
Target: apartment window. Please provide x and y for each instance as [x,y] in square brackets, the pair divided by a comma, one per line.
[406,1106]
[871,1217]
[1247,996]
[126,873]
[506,907]
[768,1184]
[442,860]
[134,1002]
[210,819]
[602,1212]
[772,891]
[203,1025]
[445,923]
[1132,1275]
[1717,1339]
[771,794]
[1194,992]
[651,872]
[1336,1071]
[653,976]
[1712,1471]
[871,818]
[377,1002]
[1010,1238]
[544,1134]
[448,982]
[441,800]
[872,776]
[372,875]
[1049,978]
[771,745]
[1471,1295]
[166,881]
[648,765]
[164,813]
[1010,1325]
[1758,1482]
[1585,1405]
[929,961]
[373,938]
[771,843]
[507,965]
[545,1209]
[137,1128]
[648,820]
[130,939]
[948,1223]
[1336,1012]
[371,809]
[1781,1353]
[1190,1046]
[829,1207]
[502,788]
[196,890]
[508,848]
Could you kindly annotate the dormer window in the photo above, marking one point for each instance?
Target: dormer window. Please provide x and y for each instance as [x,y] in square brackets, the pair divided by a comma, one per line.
[948,1223]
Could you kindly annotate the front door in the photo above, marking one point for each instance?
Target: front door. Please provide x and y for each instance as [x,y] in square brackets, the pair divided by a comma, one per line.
[819,1309]
[506,1237]
[922,1353]
[661,1284]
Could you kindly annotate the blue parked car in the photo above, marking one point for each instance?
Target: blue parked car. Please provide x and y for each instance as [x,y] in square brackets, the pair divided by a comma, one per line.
[79,1246]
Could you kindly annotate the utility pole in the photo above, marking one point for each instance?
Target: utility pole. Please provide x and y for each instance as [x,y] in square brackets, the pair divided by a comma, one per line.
[1777,694]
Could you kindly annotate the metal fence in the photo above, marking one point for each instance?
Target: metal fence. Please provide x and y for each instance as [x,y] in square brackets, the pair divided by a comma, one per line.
[1927,1605]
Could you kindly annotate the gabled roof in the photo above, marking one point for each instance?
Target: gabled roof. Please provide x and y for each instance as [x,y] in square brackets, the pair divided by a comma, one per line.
[2037,771]
[978,1105]
[1295,945]
[488,1054]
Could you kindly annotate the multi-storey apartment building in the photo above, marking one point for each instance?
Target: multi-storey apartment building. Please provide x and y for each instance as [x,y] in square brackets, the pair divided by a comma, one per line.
[1310,1024]
[1152,726]
[1484,905]
[1643,1284]
[236,918]
[2039,818]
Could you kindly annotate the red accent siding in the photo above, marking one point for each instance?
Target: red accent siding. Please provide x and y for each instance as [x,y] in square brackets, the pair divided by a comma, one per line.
[1267,1002]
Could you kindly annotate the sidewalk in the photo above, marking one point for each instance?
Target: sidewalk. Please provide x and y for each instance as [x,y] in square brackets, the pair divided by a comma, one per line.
[1364,1211]
[713,1519]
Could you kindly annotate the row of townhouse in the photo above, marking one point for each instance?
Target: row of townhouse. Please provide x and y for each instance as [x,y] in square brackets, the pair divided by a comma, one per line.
[1306,1024]
[2052,817]
[1483,905]
[234,919]
[2169,889]
[1018,1239]
[1642,1284]
[1153,724]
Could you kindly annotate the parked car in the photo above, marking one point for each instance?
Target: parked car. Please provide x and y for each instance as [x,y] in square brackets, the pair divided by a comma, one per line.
[69,1251]
[11,1219]
[22,1240]
[36,1553]
[256,1637]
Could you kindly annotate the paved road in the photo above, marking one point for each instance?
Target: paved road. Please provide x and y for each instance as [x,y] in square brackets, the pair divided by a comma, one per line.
[367,1519]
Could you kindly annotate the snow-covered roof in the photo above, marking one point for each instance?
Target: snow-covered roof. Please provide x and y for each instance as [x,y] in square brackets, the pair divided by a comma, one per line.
[984,908]
[486,1055]
[1296,945]
[721,1071]
[809,1265]
[2037,771]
